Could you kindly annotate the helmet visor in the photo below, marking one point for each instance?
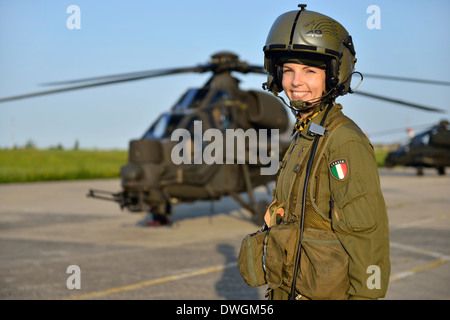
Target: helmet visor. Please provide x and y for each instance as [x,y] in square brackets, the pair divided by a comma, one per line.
[304,59]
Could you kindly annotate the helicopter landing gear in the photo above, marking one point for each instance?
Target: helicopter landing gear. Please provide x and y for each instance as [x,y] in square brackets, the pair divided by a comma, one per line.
[160,219]
[419,171]
[260,211]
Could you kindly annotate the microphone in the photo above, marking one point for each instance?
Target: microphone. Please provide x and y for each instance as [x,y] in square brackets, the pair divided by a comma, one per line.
[300,104]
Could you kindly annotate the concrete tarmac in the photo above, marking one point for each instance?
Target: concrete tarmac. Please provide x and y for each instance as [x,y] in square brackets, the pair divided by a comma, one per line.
[45,228]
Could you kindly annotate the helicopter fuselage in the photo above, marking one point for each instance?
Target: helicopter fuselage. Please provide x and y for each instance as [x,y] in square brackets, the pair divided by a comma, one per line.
[429,149]
[216,141]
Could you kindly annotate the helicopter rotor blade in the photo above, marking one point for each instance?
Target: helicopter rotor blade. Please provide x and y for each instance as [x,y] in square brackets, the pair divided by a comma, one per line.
[409,104]
[132,75]
[394,78]
[403,129]
[85,83]
[106,80]
[256,69]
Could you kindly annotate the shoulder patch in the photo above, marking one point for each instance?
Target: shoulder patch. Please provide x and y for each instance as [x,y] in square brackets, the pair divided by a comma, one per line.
[339,168]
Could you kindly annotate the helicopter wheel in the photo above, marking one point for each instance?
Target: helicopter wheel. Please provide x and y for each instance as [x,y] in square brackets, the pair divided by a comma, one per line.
[161,219]
[441,171]
[419,171]
[259,212]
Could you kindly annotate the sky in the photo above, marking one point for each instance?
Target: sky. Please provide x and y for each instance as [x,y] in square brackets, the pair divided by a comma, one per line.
[37,46]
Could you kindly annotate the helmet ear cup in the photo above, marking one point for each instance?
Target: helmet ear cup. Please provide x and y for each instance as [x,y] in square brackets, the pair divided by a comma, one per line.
[332,74]
[274,75]
[279,78]
[269,85]
[274,80]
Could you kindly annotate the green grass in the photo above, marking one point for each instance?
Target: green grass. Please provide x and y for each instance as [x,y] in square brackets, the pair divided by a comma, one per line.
[380,155]
[26,165]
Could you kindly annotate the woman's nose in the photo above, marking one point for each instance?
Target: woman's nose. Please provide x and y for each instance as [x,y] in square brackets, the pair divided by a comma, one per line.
[298,79]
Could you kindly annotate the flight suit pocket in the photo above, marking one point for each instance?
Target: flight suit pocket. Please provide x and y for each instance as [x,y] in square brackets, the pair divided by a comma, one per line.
[351,211]
[280,256]
[250,260]
[323,267]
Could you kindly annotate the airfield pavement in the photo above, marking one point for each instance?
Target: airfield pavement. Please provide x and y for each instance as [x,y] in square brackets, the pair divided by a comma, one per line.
[47,227]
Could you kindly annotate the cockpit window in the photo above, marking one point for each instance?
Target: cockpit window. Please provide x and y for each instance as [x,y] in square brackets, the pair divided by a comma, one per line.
[220,117]
[219,96]
[421,139]
[191,99]
[401,150]
[167,123]
[194,97]
[163,127]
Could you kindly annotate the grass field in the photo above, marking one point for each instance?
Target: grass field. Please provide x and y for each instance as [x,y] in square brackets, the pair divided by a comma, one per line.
[380,155]
[27,165]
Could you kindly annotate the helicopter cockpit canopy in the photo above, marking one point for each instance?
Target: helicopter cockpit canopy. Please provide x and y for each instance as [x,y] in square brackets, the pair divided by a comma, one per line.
[421,139]
[164,126]
[191,99]
[194,97]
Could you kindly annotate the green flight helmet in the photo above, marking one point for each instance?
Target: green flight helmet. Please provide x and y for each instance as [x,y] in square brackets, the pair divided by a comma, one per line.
[314,39]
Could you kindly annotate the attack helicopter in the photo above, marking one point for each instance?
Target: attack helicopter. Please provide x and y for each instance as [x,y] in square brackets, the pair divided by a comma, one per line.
[153,182]
[155,177]
[428,149]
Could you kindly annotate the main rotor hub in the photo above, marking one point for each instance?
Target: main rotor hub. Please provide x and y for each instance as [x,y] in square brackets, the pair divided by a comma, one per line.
[224,57]
[225,61]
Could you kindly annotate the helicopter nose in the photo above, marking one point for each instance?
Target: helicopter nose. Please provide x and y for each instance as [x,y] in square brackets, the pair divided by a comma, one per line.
[145,151]
[131,172]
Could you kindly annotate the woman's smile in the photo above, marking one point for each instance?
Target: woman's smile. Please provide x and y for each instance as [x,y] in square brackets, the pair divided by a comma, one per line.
[303,82]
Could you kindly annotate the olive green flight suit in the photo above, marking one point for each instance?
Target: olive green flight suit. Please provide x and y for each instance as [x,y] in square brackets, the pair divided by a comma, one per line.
[345,244]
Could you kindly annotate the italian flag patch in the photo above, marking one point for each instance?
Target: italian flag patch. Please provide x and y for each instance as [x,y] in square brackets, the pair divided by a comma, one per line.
[339,169]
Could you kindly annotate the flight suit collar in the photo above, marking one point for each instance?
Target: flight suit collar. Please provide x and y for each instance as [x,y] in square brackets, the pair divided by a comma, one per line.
[336,108]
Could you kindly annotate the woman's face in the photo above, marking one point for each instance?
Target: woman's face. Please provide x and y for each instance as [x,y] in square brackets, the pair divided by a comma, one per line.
[302,82]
